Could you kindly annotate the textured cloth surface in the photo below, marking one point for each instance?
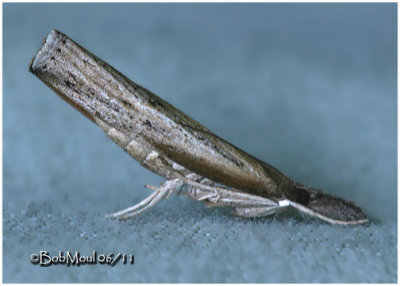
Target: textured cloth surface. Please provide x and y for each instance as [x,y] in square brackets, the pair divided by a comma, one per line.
[308,88]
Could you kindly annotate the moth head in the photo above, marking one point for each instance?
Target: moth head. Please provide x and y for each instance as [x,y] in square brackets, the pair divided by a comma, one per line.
[328,206]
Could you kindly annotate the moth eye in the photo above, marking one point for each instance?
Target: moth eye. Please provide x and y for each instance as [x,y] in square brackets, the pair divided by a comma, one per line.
[302,195]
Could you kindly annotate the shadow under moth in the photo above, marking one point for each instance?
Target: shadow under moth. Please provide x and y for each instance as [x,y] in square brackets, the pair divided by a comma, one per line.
[193,160]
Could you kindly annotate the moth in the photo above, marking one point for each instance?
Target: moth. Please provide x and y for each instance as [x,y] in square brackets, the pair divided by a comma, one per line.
[192,159]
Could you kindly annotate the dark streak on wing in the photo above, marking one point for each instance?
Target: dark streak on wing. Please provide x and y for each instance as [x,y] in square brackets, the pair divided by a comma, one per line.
[259,174]
[255,182]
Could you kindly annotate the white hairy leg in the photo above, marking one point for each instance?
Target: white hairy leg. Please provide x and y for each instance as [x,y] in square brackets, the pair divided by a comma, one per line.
[254,211]
[202,189]
[222,196]
[159,193]
[261,211]
[152,161]
[244,204]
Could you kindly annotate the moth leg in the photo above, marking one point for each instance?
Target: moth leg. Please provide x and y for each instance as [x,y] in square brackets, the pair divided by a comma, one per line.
[261,211]
[201,194]
[234,198]
[156,163]
[152,161]
[206,195]
[224,197]
[159,193]
[254,211]
[144,202]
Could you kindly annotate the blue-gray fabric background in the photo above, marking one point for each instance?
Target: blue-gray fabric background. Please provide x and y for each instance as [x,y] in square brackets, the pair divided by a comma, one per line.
[308,88]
